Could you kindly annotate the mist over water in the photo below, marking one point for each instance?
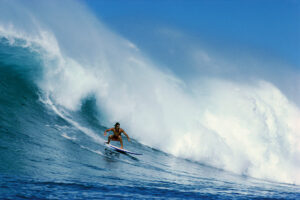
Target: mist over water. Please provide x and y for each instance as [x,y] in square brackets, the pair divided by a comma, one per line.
[249,128]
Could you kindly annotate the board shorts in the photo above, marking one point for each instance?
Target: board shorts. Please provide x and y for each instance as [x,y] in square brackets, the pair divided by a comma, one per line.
[114,137]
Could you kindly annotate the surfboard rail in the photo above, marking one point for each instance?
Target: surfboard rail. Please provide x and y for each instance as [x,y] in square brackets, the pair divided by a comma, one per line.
[121,150]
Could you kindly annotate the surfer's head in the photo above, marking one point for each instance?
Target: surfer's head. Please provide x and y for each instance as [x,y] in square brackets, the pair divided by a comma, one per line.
[117,125]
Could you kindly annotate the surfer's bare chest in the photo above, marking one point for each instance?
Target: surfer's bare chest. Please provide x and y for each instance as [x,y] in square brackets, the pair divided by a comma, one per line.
[117,132]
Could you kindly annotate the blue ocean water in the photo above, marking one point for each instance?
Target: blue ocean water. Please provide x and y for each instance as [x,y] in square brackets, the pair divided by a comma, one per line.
[63,82]
[46,155]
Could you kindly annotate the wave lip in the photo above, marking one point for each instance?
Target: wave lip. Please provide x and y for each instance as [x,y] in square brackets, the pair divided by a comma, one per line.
[245,128]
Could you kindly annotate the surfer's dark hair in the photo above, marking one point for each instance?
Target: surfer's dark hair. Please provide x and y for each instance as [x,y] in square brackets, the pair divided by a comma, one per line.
[117,124]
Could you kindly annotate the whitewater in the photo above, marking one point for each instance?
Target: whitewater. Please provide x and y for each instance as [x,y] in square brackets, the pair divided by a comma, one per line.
[64,81]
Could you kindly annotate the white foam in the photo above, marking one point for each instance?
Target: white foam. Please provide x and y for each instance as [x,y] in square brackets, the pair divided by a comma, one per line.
[246,128]
[65,135]
[87,131]
[91,150]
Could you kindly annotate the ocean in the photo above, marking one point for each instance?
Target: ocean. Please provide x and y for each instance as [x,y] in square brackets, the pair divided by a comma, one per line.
[61,88]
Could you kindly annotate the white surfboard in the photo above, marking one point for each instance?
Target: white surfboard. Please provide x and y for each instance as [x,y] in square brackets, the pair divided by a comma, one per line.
[120,150]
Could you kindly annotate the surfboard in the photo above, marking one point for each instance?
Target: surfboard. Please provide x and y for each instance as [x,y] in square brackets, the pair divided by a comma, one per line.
[121,150]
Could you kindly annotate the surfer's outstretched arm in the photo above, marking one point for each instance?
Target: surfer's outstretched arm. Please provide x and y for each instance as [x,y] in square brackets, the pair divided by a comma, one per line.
[126,135]
[110,129]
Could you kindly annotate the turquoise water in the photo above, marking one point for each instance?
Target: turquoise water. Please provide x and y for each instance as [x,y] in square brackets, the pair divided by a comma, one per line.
[64,81]
[49,152]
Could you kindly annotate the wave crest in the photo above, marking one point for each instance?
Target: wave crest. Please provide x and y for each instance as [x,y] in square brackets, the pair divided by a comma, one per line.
[246,128]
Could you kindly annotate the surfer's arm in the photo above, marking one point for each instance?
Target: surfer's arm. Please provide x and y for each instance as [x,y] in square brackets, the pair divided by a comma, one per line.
[110,129]
[126,135]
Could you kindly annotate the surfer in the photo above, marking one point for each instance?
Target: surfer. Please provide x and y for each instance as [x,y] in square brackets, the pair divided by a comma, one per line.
[117,134]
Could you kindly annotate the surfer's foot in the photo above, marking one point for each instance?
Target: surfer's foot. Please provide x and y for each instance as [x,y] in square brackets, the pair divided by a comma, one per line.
[107,142]
[121,147]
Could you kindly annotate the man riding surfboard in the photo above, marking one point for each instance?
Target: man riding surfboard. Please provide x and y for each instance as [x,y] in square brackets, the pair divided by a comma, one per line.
[117,134]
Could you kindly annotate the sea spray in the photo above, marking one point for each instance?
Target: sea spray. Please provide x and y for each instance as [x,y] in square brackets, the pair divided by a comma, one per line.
[246,128]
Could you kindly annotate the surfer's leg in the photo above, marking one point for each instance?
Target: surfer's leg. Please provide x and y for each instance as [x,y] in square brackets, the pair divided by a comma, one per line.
[109,138]
[121,141]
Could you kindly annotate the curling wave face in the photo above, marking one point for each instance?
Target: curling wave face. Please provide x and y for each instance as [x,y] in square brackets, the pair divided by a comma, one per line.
[246,128]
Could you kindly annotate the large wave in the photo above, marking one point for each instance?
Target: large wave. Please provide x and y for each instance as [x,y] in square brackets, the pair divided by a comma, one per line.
[246,128]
